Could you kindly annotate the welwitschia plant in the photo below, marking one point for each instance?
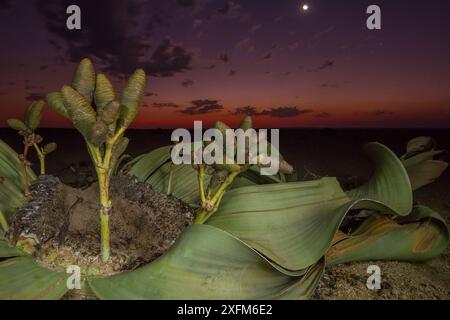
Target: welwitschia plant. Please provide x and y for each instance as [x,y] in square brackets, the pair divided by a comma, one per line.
[90,103]
[223,174]
[27,128]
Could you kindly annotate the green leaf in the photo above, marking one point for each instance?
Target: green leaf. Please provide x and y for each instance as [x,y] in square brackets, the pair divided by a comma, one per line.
[293,224]
[11,189]
[418,145]
[33,115]
[145,165]
[84,80]
[6,250]
[104,93]
[422,169]
[131,98]
[207,263]
[420,236]
[184,181]
[389,183]
[56,102]
[16,124]
[79,110]
[22,278]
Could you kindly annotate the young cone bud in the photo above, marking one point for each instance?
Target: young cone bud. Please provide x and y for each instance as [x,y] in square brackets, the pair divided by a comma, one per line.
[16,124]
[104,92]
[56,102]
[111,112]
[50,147]
[131,97]
[79,110]
[98,133]
[84,79]
[33,115]
[246,123]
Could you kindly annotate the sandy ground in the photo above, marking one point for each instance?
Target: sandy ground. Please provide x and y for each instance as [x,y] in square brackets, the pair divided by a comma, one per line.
[322,153]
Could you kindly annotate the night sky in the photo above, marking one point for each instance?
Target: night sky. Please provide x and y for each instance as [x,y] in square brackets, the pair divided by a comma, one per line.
[220,59]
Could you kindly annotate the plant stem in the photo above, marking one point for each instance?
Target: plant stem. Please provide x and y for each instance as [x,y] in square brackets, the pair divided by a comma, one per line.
[207,211]
[3,221]
[201,185]
[26,187]
[41,156]
[105,208]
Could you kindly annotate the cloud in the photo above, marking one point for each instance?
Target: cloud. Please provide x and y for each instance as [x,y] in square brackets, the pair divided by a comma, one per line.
[267,56]
[293,46]
[197,23]
[255,28]
[187,83]
[327,64]
[111,35]
[230,9]
[277,112]
[165,105]
[247,110]
[186,3]
[43,67]
[6,4]
[35,96]
[223,57]
[323,114]
[382,112]
[285,112]
[232,73]
[202,106]
[151,94]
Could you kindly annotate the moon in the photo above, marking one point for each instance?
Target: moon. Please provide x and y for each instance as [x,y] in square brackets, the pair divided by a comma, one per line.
[305,7]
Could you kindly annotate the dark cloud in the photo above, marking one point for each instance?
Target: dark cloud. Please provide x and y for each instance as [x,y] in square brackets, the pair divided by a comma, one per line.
[277,112]
[232,73]
[151,94]
[202,106]
[210,67]
[230,9]
[247,111]
[223,57]
[328,64]
[381,112]
[110,34]
[284,112]
[35,96]
[267,56]
[43,67]
[165,105]
[329,85]
[186,3]
[323,114]
[6,4]
[187,83]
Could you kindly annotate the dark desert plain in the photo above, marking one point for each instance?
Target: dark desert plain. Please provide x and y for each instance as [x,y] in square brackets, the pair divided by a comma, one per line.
[314,153]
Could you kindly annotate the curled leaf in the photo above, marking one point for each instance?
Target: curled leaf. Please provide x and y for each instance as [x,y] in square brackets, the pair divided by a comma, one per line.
[56,102]
[84,79]
[16,124]
[104,92]
[131,97]
[82,114]
[33,115]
